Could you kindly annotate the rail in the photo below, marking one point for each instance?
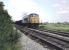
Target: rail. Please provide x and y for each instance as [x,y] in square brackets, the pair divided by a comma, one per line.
[56,32]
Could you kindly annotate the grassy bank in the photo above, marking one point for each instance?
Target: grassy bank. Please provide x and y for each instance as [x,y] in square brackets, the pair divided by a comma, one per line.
[56,26]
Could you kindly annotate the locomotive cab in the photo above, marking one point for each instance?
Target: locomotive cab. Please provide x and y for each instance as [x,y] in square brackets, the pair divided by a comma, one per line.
[34,20]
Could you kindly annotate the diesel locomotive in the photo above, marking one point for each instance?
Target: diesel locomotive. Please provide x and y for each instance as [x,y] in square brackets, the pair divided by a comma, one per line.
[31,21]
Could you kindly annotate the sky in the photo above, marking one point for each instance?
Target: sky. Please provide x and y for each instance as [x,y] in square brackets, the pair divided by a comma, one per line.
[48,10]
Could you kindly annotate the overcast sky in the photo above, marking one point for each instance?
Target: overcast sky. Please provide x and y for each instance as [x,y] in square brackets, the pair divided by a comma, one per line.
[48,10]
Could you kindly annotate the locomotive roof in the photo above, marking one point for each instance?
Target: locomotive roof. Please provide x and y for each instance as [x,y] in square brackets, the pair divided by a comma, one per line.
[30,15]
[33,14]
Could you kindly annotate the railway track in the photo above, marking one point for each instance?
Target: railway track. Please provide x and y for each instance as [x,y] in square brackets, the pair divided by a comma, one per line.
[56,32]
[57,40]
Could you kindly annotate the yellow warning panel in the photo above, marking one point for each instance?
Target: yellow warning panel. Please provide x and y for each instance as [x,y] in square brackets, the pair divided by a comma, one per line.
[34,19]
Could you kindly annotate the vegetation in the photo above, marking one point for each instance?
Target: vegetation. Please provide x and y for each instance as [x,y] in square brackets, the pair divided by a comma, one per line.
[56,26]
[8,36]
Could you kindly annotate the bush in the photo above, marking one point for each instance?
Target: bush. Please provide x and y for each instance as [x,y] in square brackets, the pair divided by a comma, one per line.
[8,36]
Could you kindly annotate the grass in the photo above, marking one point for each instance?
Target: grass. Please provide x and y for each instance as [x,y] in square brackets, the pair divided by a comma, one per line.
[58,27]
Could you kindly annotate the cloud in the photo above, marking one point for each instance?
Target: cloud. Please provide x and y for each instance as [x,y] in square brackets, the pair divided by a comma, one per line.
[63,12]
[64,8]
[25,5]
[60,8]
[63,1]
[56,5]
[67,8]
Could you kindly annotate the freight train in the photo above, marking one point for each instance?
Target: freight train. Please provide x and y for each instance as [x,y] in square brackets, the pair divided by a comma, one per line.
[31,21]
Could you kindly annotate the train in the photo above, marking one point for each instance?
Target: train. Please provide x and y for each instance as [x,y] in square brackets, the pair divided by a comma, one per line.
[30,21]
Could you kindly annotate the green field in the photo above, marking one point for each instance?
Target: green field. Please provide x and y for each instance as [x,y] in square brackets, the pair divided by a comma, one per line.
[56,26]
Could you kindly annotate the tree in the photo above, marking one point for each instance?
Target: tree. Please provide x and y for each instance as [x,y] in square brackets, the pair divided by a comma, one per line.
[8,37]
